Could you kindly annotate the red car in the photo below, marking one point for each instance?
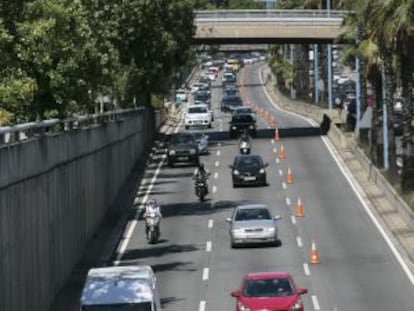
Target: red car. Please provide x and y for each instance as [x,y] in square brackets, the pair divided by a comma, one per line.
[270,291]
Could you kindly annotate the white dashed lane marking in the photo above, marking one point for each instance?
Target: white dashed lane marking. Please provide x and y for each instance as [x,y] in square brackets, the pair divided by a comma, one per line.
[217,164]
[202,306]
[218,153]
[209,246]
[306,269]
[288,201]
[214,189]
[215,176]
[293,219]
[280,172]
[284,185]
[299,241]
[315,302]
[210,223]
[206,272]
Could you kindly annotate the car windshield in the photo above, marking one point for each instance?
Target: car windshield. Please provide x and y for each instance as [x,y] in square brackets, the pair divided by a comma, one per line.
[242,118]
[233,100]
[182,139]
[268,288]
[252,214]
[244,110]
[248,162]
[197,110]
[142,306]
[203,95]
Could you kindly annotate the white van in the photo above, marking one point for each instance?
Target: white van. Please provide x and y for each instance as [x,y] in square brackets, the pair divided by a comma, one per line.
[121,288]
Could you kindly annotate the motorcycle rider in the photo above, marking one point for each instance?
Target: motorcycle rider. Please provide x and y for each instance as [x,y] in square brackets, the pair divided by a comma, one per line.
[244,142]
[152,207]
[201,174]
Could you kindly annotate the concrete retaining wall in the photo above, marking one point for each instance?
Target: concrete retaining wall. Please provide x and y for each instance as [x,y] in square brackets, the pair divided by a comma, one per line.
[54,193]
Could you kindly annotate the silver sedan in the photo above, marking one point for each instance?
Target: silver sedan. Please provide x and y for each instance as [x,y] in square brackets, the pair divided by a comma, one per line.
[253,223]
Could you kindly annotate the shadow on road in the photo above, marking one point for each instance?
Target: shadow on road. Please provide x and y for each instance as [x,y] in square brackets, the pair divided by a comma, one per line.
[158,251]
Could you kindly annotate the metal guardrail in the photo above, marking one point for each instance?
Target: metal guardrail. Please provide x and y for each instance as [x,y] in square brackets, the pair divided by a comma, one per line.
[269,15]
[25,131]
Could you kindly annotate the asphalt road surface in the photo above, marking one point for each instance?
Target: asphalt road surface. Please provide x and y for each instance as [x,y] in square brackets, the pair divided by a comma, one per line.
[197,269]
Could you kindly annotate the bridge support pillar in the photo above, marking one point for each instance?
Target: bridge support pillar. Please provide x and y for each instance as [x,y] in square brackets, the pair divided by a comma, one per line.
[330,76]
[316,73]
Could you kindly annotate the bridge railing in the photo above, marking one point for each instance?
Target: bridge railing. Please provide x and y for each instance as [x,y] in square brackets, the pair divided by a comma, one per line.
[227,15]
[21,132]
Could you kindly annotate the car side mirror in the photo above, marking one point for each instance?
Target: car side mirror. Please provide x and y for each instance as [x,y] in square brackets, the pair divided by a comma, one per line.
[277,217]
[228,220]
[235,293]
[301,291]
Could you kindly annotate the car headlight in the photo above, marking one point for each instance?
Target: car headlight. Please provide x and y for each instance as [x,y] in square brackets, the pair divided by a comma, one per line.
[242,307]
[236,231]
[251,127]
[262,171]
[171,152]
[297,305]
[236,172]
[192,151]
[272,229]
[234,127]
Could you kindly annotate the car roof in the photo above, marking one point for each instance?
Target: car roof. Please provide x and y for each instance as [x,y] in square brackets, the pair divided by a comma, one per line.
[121,284]
[267,275]
[198,105]
[252,206]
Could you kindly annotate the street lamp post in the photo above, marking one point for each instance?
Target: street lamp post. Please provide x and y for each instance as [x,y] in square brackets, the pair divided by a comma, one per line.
[328,8]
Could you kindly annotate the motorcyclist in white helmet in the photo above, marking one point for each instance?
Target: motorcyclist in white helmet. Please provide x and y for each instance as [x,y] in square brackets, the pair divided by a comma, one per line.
[152,207]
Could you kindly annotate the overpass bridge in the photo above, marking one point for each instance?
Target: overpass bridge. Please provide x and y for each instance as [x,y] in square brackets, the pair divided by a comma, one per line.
[268,26]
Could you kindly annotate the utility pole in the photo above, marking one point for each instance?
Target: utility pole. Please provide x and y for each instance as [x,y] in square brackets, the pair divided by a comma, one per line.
[384,121]
[328,9]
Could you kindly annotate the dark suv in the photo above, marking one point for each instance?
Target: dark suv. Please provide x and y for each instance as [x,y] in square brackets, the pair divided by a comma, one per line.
[242,122]
[182,147]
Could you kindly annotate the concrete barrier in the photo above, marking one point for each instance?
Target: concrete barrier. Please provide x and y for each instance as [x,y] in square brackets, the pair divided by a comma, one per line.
[55,191]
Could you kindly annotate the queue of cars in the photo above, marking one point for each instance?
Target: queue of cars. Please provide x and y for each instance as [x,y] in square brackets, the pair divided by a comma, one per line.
[135,287]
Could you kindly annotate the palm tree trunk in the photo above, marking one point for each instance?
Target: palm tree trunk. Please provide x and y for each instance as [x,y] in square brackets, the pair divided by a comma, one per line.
[376,147]
[301,63]
[407,67]
[389,99]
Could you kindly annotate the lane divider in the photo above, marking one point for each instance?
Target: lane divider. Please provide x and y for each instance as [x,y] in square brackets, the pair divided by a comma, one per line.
[315,302]
[306,269]
[206,272]
[202,306]
[209,246]
[210,223]
[299,241]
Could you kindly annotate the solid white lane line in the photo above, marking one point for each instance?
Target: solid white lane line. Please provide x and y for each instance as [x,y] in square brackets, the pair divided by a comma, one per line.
[293,219]
[217,164]
[209,246]
[205,274]
[214,189]
[215,176]
[202,306]
[306,269]
[210,223]
[315,302]
[218,153]
[288,201]
[299,241]
[284,186]
[356,187]
[280,172]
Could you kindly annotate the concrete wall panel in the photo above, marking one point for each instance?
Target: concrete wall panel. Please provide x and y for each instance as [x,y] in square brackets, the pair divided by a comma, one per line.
[54,193]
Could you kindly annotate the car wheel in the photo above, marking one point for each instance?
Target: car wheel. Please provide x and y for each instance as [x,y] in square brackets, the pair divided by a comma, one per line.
[209,125]
[277,243]
[235,185]
[233,245]
[187,127]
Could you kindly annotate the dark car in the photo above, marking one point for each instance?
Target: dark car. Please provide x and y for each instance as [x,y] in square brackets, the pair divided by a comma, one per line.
[205,80]
[228,103]
[183,147]
[203,96]
[248,170]
[229,78]
[242,122]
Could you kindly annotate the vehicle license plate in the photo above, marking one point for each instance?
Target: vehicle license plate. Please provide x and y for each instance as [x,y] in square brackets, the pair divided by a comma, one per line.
[249,178]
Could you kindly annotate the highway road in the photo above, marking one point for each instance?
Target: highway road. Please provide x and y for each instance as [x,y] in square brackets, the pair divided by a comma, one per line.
[197,269]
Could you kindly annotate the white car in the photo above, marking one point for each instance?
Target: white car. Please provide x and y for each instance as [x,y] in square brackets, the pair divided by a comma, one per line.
[195,87]
[197,116]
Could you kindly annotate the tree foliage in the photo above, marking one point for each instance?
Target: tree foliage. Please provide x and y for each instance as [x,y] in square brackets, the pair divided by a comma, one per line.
[60,55]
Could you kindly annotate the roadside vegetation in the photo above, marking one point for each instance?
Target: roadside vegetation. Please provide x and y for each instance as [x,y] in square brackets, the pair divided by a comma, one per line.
[65,57]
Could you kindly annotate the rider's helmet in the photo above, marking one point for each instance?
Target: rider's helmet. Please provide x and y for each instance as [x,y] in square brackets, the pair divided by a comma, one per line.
[201,166]
[152,203]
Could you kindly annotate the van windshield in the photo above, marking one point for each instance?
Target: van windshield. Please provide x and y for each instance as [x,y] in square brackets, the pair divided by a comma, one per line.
[142,306]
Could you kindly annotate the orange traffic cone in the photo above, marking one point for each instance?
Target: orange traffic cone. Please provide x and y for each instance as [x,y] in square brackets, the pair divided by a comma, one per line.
[299,209]
[314,254]
[289,177]
[277,136]
[282,154]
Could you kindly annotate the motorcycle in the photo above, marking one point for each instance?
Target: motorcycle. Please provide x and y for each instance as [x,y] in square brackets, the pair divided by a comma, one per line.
[152,221]
[244,147]
[201,189]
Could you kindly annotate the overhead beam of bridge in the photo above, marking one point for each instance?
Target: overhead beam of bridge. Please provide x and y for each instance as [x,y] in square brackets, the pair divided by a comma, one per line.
[268,26]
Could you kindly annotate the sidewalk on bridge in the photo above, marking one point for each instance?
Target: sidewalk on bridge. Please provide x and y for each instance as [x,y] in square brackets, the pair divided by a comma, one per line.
[398,226]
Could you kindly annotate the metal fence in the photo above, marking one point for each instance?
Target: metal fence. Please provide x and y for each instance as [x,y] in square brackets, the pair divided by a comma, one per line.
[25,131]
